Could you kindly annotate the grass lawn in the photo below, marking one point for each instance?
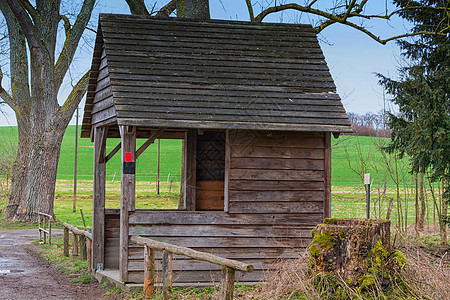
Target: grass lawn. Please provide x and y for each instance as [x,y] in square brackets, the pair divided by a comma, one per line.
[348,196]
[358,149]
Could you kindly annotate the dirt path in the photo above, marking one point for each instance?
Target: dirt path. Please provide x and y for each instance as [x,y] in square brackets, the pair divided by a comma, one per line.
[25,275]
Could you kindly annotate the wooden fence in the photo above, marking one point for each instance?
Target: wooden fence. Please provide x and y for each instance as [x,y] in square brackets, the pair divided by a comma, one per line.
[229,266]
[85,238]
[45,228]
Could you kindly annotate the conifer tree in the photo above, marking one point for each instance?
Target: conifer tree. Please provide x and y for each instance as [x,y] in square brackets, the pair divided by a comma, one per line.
[422,127]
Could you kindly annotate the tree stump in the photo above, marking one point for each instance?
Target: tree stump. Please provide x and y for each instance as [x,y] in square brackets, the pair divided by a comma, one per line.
[343,246]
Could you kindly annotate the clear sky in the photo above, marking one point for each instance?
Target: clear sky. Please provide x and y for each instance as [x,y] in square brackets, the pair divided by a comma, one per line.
[353,57]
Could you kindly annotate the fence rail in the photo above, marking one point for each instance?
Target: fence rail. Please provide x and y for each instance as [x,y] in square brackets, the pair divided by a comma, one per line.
[45,228]
[229,266]
[85,238]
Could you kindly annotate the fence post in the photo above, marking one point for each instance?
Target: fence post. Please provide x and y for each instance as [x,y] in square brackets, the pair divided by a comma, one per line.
[82,243]
[74,245]
[40,231]
[167,275]
[66,242]
[49,230]
[227,288]
[89,255]
[149,271]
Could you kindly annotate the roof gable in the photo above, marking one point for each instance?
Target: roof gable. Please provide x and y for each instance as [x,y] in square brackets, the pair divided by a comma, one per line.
[214,74]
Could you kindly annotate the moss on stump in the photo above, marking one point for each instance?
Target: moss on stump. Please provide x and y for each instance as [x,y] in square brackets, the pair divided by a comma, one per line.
[343,247]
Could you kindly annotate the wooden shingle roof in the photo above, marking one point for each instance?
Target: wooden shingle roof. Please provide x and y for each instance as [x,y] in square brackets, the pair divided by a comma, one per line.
[184,73]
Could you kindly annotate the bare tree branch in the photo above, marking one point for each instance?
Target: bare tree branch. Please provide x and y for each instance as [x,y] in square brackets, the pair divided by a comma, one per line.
[31,10]
[73,37]
[250,10]
[67,25]
[137,7]
[18,60]
[353,10]
[167,9]
[7,98]
[25,22]
[74,98]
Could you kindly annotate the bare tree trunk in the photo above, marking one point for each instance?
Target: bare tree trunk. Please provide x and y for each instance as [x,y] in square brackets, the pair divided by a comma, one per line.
[193,9]
[416,225]
[34,188]
[422,202]
[444,212]
[36,75]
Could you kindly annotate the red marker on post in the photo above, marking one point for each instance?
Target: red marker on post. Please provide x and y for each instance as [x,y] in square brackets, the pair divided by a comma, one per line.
[127,156]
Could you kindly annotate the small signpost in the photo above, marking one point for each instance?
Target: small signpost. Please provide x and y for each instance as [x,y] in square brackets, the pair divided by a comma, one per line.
[367,184]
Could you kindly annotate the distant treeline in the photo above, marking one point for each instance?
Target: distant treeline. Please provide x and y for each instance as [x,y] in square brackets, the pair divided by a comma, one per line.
[369,124]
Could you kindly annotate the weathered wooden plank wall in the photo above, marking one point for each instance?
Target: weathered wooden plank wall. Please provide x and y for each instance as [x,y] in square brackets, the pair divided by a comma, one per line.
[112,235]
[276,196]
[103,110]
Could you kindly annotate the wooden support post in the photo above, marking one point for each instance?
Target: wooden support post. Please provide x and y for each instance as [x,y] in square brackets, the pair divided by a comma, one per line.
[158,166]
[40,226]
[82,246]
[150,141]
[327,168]
[127,195]
[74,245]
[227,288]
[98,212]
[49,230]
[43,226]
[190,171]
[149,271]
[167,275]
[113,152]
[66,242]
[227,170]
[89,255]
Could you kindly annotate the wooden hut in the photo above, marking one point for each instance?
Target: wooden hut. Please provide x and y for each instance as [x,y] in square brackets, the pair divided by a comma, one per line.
[255,105]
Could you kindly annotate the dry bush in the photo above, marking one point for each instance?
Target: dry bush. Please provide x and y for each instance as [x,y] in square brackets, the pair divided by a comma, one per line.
[286,278]
[428,269]
[426,276]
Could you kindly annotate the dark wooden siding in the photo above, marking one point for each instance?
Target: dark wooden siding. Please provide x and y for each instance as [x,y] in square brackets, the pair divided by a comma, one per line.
[276,197]
[219,75]
[112,232]
[276,172]
[255,238]
[103,109]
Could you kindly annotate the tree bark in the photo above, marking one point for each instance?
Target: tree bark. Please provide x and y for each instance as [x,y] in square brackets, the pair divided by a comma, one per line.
[36,76]
[422,202]
[35,182]
[193,9]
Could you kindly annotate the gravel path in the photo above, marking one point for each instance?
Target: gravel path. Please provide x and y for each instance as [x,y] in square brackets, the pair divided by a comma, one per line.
[25,275]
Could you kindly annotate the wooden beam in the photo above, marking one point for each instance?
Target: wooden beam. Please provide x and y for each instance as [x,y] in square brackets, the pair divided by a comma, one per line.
[167,274]
[191,169]
[89,255]
[104,136]
[227,170]
[327,175]
[127,195]
[197,255]
[113,152]
[149,271]
[98,213]
[151,139]
[227,288]
[66,242]
[74,245]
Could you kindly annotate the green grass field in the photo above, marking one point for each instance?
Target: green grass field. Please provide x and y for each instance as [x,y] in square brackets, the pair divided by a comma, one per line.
[348,195]
[170,168]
